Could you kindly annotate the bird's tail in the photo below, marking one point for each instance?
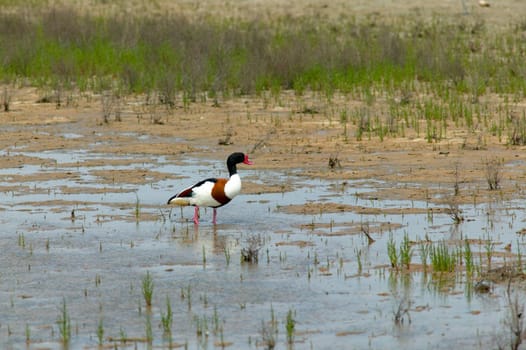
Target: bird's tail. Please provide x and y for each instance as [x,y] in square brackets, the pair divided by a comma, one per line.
[181,201]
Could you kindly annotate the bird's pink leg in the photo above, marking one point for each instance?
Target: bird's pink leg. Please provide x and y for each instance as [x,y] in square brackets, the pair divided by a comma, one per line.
[196,215]
[214,216]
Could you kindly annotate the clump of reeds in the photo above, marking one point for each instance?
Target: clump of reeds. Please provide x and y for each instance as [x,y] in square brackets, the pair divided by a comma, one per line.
[6,99]
[401,311]
[455,212]
[334,162]
[250,253]
[493,172]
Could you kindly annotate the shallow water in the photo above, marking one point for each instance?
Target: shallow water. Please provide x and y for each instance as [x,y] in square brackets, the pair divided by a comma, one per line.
[92,249]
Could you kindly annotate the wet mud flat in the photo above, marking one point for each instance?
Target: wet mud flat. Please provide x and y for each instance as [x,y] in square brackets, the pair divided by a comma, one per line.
[85,226]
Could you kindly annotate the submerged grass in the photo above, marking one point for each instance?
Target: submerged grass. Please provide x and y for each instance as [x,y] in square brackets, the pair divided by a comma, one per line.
[290,325]
[64,324]
[167,319]
[100,332]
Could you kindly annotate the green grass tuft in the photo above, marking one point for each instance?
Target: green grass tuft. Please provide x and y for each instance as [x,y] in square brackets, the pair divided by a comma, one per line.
[147,289]
[442,259]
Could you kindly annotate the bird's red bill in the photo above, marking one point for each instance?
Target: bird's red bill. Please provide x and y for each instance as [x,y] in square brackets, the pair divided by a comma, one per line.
[247,161]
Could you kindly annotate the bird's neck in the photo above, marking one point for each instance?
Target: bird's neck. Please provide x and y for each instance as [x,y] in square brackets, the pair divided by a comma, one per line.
[232,169]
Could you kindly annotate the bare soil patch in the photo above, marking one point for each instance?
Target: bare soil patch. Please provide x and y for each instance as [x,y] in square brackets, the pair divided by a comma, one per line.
[276,135]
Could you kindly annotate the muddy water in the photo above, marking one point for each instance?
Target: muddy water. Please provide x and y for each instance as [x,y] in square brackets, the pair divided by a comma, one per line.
[85,229]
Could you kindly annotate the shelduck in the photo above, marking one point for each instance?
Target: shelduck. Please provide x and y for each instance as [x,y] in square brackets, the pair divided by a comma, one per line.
[213,192]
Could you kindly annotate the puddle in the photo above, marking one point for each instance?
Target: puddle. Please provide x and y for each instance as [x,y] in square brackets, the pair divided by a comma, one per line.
[79,231]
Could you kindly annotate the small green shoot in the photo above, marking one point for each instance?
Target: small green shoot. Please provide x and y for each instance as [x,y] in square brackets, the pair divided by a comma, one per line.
[290,325]
[147,289]
[201,326]
[216,321]
[226,251]
[489,247]
[424,253]
[28,334]
[358,259]
[167,319]
[64,324]
[100,332]
[468,259]
[519,257]
[137,209]
[391,251]
[406,252]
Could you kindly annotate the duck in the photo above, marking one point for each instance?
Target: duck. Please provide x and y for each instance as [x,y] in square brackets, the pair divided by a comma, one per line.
[213,192]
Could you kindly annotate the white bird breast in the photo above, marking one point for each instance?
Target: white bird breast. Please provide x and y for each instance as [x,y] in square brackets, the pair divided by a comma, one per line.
[233,186]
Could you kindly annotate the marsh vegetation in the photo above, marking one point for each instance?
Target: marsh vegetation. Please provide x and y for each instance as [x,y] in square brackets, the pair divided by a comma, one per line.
[450,62]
